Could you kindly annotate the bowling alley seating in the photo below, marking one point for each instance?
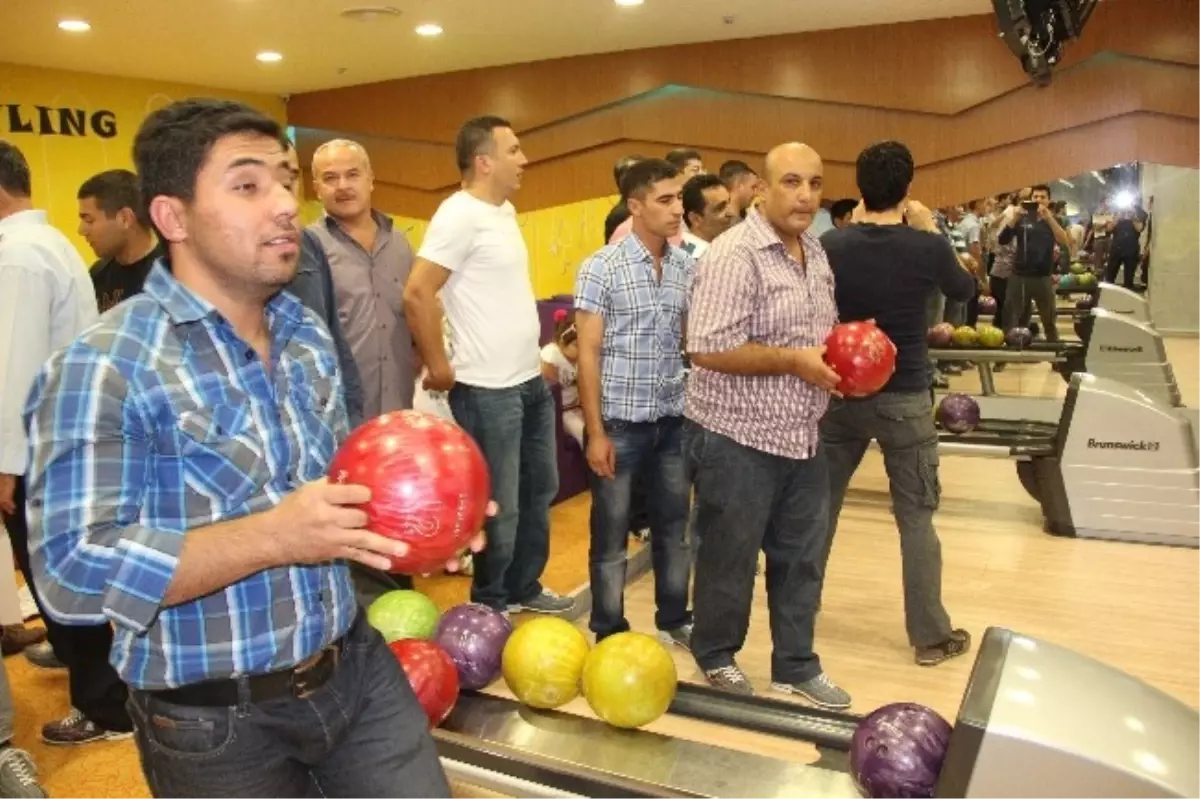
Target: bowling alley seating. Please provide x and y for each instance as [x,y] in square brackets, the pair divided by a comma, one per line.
[572,465]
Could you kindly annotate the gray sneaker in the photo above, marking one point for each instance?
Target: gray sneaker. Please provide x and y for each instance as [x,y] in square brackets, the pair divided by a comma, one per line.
[680,636]
[820,691]
[545,602]
[18,775]
[730,678]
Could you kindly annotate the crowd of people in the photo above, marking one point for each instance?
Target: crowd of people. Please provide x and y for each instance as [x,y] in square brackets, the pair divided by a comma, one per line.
[168,416]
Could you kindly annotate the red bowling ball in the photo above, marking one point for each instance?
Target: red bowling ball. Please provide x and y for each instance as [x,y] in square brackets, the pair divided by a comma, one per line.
[862,355]
[432,675]
[429,485]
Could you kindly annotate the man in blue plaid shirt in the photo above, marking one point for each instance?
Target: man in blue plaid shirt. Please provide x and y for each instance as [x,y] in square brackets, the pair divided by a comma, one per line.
[630,300]
[176,490]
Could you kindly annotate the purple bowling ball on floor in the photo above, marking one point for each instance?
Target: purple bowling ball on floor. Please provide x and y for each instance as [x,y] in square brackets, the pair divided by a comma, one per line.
[898,751]
[958,413]
[1018,337]
[474,637]
[987,305]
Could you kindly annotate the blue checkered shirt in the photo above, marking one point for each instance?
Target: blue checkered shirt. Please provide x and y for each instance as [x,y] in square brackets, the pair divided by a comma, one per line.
[159,420]
[641,359]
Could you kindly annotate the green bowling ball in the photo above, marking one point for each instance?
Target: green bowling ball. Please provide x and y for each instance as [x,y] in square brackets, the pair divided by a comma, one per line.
[965,336]
[1087,280]
[1078,268]
[991,336]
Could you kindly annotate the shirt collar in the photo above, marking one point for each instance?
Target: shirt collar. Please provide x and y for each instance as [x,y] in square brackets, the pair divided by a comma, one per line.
[762,236]
[183,305]
[634,249]
[384,221]
[30,217]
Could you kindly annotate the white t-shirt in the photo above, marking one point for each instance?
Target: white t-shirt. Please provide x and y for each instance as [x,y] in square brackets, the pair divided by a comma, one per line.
[489,296]
[694,245]
[567,374]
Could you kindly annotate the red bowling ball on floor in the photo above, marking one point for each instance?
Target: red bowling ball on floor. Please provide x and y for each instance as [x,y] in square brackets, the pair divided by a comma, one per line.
[432,675]
[429,485]
[862,355]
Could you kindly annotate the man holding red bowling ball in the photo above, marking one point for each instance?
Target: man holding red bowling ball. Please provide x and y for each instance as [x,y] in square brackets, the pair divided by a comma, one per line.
[885,269]
[177,490]
[762,305]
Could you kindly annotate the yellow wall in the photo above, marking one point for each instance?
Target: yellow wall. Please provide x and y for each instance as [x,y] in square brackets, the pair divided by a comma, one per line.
[61,163]
[558,238]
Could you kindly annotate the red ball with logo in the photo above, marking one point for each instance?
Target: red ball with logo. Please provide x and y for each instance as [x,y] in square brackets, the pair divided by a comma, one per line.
[862,355]
[429,485]
[432,675]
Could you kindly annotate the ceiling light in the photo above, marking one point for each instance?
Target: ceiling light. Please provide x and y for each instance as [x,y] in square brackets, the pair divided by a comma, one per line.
[429,29]
[74,26]
[629,2]
[269,57]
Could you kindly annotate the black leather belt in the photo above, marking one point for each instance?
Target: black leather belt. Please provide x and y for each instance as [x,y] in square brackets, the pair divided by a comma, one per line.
[300,681]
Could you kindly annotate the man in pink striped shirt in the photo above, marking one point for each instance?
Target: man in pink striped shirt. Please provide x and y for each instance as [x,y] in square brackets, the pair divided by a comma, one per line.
[762,305]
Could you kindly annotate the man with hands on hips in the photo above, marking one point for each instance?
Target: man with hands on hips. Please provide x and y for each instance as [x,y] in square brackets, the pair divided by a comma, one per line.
[177,490]
[762,305]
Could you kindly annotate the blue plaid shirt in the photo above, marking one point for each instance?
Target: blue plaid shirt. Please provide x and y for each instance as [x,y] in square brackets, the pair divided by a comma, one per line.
[641,360]
[159,420]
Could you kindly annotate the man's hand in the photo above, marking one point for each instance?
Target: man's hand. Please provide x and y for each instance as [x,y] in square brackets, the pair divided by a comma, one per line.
[440,379]
[315,524]
[919,216]
[602,456]
[1044,213]
[8,492]
[810,366]
[477,544]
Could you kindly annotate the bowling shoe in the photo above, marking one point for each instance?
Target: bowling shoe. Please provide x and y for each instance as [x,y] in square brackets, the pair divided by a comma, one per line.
[545,602]
[820,691]
[731,679]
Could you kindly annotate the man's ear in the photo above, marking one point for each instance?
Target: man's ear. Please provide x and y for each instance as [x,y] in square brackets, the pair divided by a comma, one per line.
[169,217]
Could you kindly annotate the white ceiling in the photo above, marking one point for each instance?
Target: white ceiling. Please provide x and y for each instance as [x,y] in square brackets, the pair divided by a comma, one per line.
[213,42]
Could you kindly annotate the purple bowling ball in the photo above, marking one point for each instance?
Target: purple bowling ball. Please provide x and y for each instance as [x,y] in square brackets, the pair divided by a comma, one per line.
[898,750]
[958,413]
[987,305]
[474,637]
[1018,337]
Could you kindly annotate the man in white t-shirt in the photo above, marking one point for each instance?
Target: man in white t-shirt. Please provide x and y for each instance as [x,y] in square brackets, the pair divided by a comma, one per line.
[473,253]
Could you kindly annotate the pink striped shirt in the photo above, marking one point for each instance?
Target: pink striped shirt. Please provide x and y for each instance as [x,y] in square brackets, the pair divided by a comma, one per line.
[747,288]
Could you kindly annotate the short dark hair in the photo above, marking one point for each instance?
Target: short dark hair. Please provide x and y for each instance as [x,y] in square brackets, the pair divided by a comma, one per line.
[680,156]
[1041,187]
[114,190]
[733,171]
[173,142]
[622,166]
[14,171]
[842,207]
[641,176]
[884,172]
[474,135]
[693,193]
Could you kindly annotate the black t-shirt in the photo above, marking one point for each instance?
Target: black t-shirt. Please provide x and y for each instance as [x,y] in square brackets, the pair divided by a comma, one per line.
[115,281]
[1125,237]
[1035,246]
[616,217]
[887,273]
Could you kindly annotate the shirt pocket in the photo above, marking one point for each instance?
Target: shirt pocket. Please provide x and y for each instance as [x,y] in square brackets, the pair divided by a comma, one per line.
[315,412]
[222,457]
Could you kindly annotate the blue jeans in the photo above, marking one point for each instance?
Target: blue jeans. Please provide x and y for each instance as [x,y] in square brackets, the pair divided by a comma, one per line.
[362,733]
[515,429]
[650,451]
[747,501]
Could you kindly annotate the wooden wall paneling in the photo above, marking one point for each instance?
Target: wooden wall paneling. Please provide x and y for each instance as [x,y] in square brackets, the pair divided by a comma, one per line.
[940,66]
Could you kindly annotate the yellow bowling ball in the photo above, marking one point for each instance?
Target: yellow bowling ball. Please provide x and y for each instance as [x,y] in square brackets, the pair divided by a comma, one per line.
[629,680]
[543,661]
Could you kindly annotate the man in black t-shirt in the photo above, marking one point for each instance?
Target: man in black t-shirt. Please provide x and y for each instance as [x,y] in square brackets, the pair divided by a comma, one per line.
[1036,233]
[114,221]
[885,268]
[1125,249]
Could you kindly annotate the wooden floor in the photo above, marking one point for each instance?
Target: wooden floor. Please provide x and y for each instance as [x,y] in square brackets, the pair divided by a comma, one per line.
[1132,606]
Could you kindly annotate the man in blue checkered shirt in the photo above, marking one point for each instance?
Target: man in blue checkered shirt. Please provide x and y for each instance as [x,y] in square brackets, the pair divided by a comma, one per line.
[176,490]
[630,300]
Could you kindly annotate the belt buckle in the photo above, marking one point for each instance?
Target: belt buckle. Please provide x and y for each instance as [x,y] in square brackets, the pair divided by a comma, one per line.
[307,679]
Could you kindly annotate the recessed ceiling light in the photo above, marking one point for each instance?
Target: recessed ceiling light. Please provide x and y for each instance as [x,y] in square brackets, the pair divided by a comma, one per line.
[269,57]
[629,2]
[74,26]
[429,29]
